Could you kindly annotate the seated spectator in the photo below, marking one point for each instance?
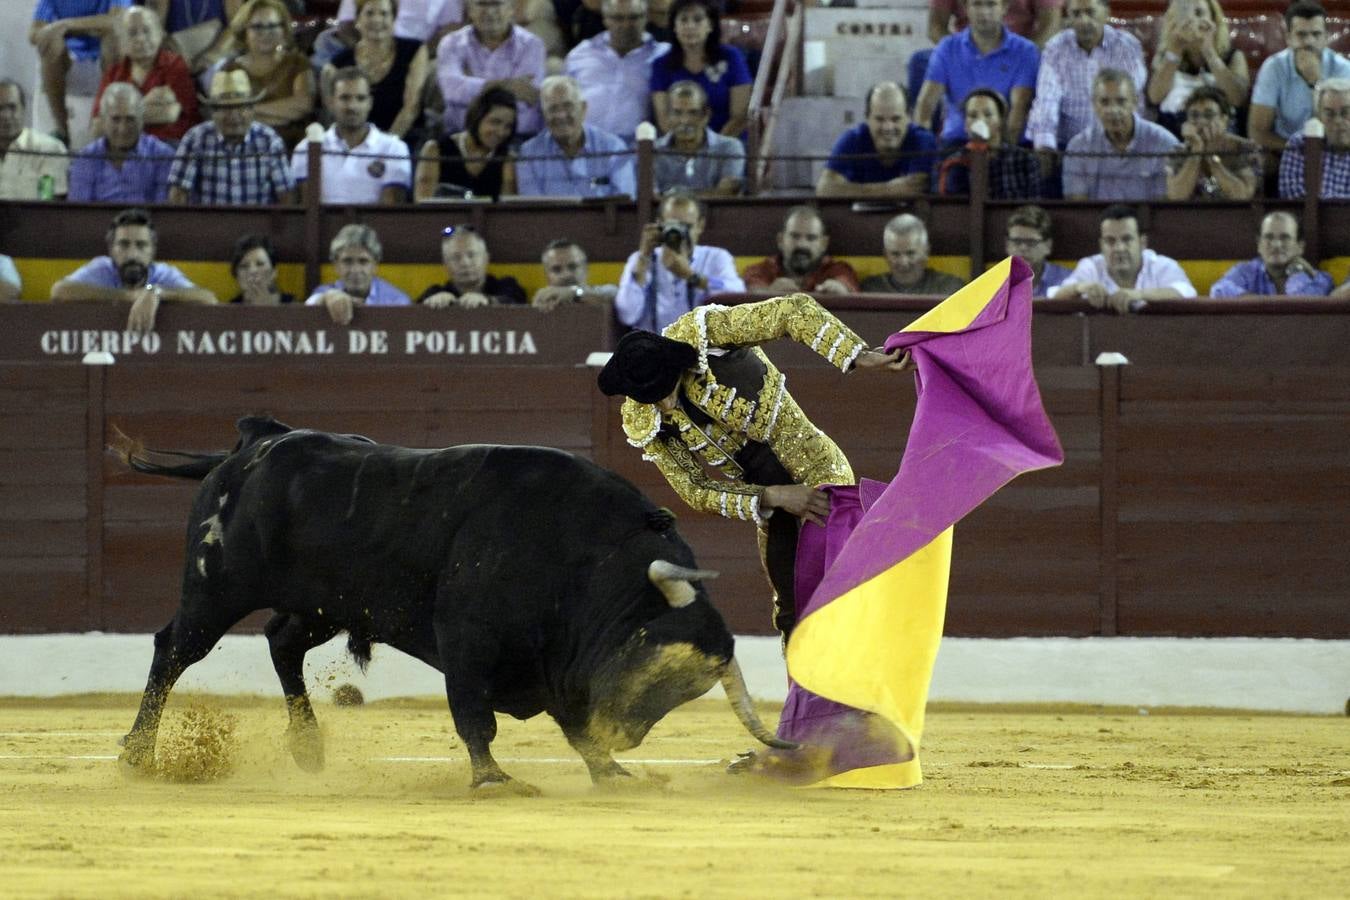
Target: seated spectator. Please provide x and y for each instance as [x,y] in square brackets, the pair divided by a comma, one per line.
[280,72]
[424,21]
[1282,99]
[254,267]
[802,263]
[568,274]
[562,160]
[475,162]
[1036,20]
[1195,51]
[1333,116]
[32,166]
[161,76]
[1214,163]
[231,159]
[125,166]
[361,164]
[698,54]
[1279,267]
[885,155]
[396,66]
[66,30]
[691,155]
[356,253]
[905,241]
[540,19]
[465,256]
[671,272]
[1133,152]
[129,273]
[198,29]
[984,54]
[1126,272]
[1014,173]
[614,68]
[1031,237]
[11,285]
[1069,62]
[490,52]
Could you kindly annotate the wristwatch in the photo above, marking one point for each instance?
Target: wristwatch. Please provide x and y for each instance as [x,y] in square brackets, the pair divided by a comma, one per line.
[577,293]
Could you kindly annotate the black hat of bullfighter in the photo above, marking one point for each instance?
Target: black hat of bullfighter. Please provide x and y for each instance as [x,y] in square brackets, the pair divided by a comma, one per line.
[646,366]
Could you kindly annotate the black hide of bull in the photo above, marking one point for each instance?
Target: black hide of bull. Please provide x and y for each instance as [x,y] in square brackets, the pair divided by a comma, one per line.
[521,573]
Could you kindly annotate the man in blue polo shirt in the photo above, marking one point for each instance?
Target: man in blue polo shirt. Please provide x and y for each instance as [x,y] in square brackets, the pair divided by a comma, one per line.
[885,156]
[984,54]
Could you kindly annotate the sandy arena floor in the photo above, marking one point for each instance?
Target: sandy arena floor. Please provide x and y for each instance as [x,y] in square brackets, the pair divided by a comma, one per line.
[1018,802]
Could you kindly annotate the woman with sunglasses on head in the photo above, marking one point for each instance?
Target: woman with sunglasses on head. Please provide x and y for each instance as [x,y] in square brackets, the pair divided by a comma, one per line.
[465,256]
[699,55]
[476,161]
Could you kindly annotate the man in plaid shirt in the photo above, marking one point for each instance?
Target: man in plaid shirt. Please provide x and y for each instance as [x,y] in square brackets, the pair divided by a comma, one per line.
[231,160]
[1331,103]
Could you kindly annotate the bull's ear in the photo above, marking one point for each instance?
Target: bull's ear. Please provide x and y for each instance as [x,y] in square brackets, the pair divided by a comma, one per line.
[255,428]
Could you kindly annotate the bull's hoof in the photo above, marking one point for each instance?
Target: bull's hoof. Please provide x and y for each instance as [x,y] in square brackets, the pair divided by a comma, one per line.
[610,773]
[137,757]
[792,767]
[306,746]
[495,787]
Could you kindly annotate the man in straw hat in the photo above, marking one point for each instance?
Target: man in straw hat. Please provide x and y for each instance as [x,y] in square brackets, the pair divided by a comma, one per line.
[231,159]
[703,396]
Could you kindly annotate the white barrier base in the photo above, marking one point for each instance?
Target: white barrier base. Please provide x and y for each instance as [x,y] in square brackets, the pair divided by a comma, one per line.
[1278,674]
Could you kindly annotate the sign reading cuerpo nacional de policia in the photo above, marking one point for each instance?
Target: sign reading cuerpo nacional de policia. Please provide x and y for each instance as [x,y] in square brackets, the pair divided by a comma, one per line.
[493,336]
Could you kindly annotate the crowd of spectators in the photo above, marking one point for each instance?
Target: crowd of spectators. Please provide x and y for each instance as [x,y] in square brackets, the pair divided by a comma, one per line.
[218,103]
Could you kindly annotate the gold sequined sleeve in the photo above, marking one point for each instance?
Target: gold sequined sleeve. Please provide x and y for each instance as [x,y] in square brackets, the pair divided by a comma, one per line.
[732,499]
[795,316]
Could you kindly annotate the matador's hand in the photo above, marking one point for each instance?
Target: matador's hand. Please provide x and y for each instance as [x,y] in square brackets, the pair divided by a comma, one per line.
[801,500]
[893,361]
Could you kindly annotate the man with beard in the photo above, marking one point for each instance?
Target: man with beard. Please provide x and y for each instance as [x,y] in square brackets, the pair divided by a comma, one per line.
[465,256]
[802,263]
[1279,267]
[1126,271]
[905,242]
[129,273]
[356,252]
[361,163]
[692,156]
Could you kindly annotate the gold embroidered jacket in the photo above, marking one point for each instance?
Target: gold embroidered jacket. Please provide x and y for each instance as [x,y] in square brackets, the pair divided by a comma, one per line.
[772,417]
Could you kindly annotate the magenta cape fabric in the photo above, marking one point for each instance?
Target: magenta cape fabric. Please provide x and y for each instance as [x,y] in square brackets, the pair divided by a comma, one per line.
[978,423]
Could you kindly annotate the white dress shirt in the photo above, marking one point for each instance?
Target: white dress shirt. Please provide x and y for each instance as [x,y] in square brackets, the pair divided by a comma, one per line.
[357,174]
[617,88]
[1157,271]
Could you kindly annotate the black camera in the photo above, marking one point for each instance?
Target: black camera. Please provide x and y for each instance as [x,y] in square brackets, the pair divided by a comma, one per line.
[675,235]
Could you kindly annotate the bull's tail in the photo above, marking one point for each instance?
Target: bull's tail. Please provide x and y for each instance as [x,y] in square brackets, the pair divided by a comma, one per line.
[359,646]
[137,456]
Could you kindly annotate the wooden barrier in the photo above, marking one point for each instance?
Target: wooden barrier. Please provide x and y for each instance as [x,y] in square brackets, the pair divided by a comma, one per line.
[1205,489]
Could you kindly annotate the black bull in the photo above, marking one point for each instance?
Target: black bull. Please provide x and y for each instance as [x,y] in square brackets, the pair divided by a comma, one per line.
[534,580]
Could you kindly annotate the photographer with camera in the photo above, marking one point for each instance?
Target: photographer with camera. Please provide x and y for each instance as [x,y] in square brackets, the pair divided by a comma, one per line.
[671,273]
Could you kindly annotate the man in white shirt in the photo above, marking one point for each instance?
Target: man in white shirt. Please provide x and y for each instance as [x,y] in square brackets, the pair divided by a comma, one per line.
[671,273]
[361,164]
[1126,273]
[614,68]
[33,166]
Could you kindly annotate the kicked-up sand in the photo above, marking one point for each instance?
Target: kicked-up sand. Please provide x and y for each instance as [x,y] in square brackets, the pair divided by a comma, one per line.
[1018,802]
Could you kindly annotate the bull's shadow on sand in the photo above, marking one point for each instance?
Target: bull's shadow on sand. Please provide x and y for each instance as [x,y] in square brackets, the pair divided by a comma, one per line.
[534,580]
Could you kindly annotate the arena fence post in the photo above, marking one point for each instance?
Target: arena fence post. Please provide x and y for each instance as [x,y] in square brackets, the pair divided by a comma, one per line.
[1109,366]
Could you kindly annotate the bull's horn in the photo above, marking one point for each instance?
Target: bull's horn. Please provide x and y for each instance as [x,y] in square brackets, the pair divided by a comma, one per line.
[673,581]
[733,682]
